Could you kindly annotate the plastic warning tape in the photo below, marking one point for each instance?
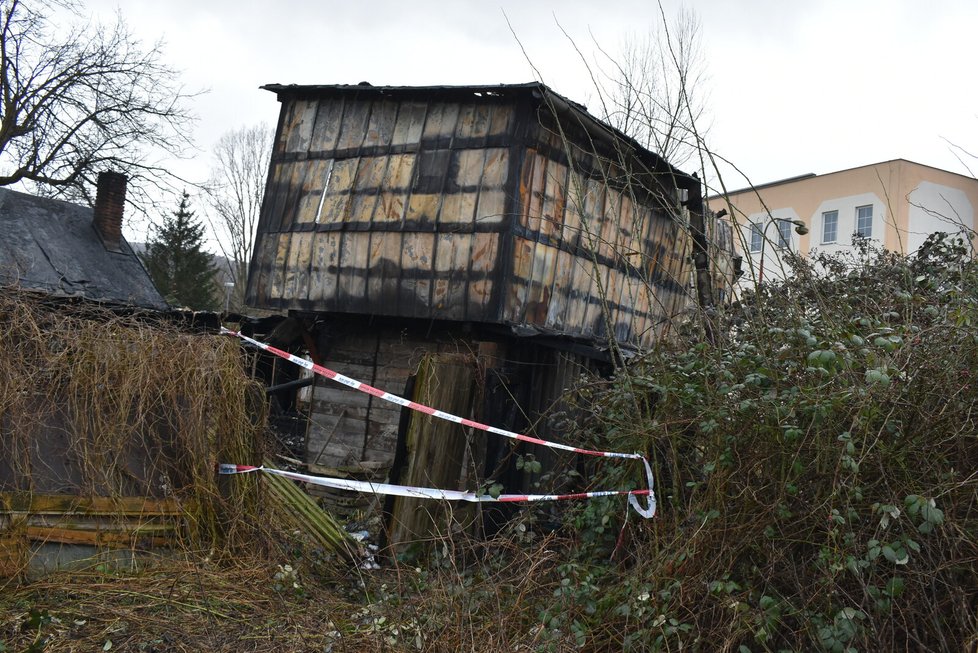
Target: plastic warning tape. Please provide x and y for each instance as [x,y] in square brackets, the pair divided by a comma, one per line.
[428,410]
[421,492]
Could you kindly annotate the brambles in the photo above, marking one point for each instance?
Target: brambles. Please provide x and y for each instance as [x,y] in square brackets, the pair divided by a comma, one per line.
[804,504]
[816,465]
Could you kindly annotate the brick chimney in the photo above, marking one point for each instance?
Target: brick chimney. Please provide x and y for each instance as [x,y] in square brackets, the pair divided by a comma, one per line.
[110,201]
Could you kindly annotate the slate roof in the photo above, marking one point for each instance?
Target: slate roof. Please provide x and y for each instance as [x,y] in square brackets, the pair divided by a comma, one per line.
[51,246]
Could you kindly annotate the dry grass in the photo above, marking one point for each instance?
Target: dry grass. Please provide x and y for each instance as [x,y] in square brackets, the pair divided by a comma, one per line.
[94,403]
[490,605]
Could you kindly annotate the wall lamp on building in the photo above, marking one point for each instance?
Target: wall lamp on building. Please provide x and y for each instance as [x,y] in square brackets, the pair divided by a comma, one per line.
[800,228]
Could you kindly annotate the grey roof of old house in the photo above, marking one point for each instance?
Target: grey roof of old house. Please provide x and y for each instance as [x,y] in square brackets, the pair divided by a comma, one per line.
[51,246]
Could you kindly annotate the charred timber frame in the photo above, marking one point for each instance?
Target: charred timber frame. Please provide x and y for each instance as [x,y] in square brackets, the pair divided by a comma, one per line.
[505,205]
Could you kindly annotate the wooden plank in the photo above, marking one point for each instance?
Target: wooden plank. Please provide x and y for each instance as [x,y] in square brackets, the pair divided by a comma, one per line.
[502,119]
[277,272]
[410,123]
[23,502]
[436,451]
[298,172]
[609,220]
[570,233]
[557,310]
[392,200]
[535,188]
[625,225]
[366,186]
[593,317]
[301,119]
[300,255]
[323,266]
[496,168]
[555,199]
[423,207]
[593,207]
[380,127]
[353,261]
[474,121]
[516,295]
[14,552]
[541,284]
[357,371]
[471,164]
[492,208]
[377,263]
[334,440]
[448,291]
[417,254]
[353,129]
[344,175]
[485,247]
[439,127]
[312,190]
[271,213]
[457,208]
[98,537]
[583,269]
[326,130]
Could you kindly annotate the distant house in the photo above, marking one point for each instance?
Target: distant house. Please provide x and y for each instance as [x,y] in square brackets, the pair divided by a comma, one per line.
[500,225]
[69,250]
[896,204]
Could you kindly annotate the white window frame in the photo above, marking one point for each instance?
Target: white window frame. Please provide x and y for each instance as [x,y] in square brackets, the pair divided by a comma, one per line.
[756,231]
[869,233]
[784,233]
[835,227]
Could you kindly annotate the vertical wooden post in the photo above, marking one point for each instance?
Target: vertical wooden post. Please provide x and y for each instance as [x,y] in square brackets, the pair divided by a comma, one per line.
[439,453]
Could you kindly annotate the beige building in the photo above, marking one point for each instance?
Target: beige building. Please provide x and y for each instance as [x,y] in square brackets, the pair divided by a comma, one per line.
[895,203]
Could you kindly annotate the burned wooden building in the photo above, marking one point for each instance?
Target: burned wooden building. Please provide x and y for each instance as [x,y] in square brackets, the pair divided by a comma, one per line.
[501,224]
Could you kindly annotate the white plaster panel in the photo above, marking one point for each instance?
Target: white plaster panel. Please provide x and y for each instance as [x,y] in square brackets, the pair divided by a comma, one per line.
[935,207]
[846,206]
[773,269]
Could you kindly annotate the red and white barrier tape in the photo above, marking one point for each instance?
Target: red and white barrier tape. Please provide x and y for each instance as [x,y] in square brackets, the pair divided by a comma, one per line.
[422,492]
[428,410]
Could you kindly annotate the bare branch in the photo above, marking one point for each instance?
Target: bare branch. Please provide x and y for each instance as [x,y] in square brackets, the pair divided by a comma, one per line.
[236,191]
[86,101]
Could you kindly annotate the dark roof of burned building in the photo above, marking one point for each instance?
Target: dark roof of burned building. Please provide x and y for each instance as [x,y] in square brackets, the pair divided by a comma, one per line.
[52,246]
[572,115]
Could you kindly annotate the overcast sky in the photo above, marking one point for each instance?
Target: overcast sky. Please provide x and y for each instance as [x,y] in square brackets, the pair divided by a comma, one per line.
[793,87]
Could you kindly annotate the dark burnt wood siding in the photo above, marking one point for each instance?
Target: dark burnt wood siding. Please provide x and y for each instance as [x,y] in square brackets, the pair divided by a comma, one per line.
[600,241]
[384,208]
[468,206]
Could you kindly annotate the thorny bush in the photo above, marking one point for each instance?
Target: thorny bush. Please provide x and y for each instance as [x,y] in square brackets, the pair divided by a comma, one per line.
[816,468]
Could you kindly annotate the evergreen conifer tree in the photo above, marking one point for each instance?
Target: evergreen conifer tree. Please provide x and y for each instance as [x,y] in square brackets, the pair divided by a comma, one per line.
[181,270]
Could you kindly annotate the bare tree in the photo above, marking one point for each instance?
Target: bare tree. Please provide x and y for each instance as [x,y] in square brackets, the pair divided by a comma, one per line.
[84,100]
[654,90]
[237,188]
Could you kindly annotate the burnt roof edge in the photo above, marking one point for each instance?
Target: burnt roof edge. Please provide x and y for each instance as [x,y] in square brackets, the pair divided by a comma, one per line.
[540,91]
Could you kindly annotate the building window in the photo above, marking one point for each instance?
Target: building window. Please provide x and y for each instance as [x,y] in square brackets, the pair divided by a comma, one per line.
[759,229]
[864,221]
[784,234]
[830,226]
[756,237]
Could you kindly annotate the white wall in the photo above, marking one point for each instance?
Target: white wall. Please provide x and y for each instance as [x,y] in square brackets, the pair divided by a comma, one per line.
[773,268]
[935,207]
[846,206]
